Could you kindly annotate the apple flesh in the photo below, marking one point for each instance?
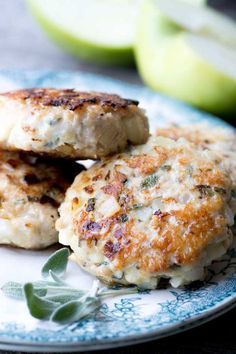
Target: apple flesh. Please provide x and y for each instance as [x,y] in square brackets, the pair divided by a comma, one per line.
[200,20]
[175,57]
[96,31]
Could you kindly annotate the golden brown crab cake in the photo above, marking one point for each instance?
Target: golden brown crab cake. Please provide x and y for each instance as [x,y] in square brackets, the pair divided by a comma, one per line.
[219,139]
[160,210]
[31,191]
[69,123]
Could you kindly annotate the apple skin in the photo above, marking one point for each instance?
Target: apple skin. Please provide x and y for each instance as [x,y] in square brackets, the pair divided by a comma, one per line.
[90,52]
[168,64]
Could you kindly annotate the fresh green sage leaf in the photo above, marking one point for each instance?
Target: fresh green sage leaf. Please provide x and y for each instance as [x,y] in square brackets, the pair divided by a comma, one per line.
[38,307]
[75,310]
[51,291]
[57,263]
[46,284]
[15,290]
[64,297]
[116,292]
[94,289]
[57,279]
[54,299]
[92,304]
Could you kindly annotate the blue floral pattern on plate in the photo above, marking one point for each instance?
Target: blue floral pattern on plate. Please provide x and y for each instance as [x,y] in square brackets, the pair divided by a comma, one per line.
[149,314]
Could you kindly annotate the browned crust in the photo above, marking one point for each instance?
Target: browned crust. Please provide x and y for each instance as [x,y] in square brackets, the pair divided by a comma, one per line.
[35,179]
[123,242]
[69,98]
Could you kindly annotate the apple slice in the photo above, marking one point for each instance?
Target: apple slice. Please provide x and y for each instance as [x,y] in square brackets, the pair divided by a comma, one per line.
[201,20]
[99,31]
[185,56]
[96,30]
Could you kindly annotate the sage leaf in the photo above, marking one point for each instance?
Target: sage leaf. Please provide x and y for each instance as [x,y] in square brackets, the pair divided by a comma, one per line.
[56,300]
[57,263]
[38,307]
[94,289]
[15,290]
[57,279]
[45,284]
[75,310]
[91,306]
[63,297]
[116,292]
[51,291]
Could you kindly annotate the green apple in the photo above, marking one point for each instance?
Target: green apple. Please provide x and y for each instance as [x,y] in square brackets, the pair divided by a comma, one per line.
[99,31]
[95,30]
[188,52]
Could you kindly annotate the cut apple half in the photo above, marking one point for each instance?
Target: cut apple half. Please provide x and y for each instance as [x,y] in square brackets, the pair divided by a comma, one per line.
[220,56]
[95,30]
[179,52]
[201,20]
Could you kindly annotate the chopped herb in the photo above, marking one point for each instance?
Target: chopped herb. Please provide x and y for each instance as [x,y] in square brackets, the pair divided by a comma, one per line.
[104,263]
[123,199]
[50,144]
[189,170]
[123,218]
[205,190]
[136,206]
[166,168]
[208,191]
[54,120]
[33,199]
[20,201]
[220,190]
[233,193]
[91,204]
[149,181]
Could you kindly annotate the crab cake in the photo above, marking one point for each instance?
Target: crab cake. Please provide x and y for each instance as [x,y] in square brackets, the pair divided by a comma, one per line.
[219,139]
[159,210]
[69,123]
[31,191]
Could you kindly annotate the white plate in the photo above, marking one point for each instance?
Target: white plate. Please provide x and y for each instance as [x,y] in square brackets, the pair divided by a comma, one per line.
[126,319]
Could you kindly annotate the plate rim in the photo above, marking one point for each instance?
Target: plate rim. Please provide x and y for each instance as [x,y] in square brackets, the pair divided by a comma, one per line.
[188,324]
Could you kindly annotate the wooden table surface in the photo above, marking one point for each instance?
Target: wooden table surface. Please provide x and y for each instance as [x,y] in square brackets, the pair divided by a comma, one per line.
[24,46]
